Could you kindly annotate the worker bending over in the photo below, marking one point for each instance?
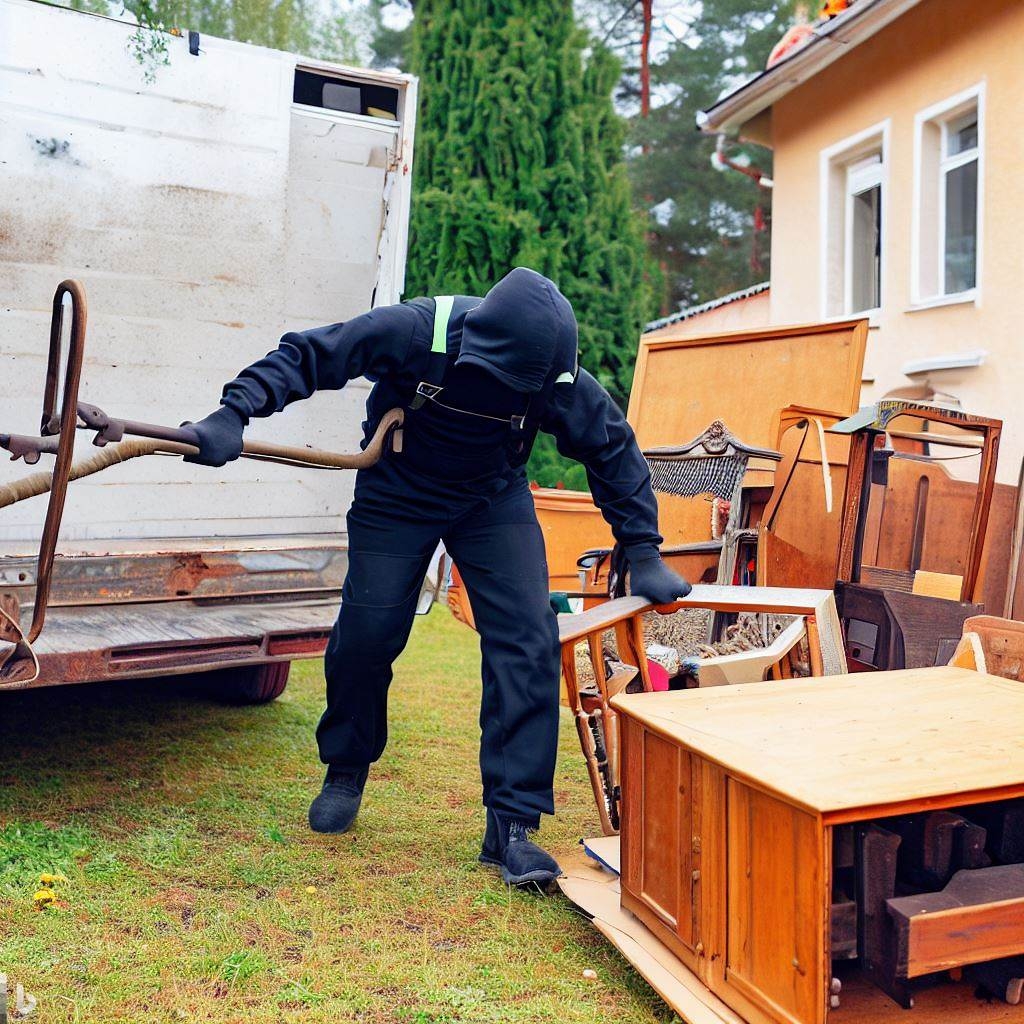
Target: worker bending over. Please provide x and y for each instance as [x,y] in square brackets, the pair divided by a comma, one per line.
[479,378]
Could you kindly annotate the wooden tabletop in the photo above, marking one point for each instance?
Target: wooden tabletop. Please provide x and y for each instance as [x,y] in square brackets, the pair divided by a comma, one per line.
[856,741]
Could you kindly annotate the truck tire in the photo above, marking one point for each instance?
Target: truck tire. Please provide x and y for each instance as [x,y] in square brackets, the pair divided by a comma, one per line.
[258,684]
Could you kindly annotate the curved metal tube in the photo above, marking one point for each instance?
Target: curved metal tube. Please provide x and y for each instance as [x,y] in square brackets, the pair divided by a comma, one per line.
[113,455]
[65,425]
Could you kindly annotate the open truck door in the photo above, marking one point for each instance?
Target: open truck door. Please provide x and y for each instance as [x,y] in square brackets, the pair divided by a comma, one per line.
[239,193]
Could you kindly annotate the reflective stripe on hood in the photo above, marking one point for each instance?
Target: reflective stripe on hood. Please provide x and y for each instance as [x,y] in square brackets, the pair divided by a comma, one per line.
[522,330]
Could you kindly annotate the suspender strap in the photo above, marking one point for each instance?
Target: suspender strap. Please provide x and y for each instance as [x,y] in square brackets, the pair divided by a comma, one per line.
[442,314]
[437,367]
[437,361]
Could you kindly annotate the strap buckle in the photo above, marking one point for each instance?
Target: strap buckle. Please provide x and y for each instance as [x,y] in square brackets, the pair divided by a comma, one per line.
[424,392]
[518,422]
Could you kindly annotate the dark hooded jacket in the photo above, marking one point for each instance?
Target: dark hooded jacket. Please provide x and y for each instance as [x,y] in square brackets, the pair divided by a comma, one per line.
[521,334]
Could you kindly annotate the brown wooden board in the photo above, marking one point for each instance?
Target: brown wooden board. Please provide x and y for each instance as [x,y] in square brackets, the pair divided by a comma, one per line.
[798,543]
[571,523]
[743,378]
[978,916]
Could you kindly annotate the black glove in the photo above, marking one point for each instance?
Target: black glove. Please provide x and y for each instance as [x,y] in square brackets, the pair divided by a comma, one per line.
[218,437]
[650,577]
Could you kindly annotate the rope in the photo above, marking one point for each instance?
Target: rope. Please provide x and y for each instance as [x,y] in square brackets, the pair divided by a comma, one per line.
[39,483]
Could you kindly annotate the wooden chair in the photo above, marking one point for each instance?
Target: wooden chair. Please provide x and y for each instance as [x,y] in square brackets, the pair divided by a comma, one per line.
[596,720]
[714,463]
[993,645]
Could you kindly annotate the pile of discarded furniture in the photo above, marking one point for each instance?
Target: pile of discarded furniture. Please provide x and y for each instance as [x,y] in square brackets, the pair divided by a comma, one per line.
[825,823]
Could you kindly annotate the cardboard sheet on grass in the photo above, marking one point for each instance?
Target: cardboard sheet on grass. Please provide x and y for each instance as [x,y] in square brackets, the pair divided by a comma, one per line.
[595,890]
[743,378]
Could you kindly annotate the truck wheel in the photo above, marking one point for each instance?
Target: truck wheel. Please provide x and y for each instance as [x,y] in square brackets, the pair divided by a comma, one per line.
[251,685]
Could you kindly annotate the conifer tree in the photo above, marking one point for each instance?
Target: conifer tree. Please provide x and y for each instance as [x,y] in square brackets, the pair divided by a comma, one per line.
[519,163]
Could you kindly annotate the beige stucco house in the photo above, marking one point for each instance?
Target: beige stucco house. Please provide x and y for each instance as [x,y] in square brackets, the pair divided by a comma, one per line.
[898,139]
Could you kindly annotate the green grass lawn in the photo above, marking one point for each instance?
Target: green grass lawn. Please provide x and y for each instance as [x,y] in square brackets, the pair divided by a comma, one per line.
[181,827]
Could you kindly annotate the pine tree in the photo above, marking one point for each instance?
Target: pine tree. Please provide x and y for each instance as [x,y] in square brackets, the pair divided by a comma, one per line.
[709,228]
[519,163]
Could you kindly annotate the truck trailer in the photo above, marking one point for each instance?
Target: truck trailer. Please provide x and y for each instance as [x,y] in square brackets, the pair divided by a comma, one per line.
[207,204]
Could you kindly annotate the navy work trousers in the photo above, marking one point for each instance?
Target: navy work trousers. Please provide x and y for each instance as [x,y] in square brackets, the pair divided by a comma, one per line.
[491,532]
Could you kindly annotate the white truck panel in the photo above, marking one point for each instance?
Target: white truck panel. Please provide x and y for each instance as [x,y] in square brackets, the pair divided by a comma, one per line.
[206,214]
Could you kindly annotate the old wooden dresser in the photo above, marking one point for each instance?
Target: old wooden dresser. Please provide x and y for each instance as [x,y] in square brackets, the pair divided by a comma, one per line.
[733,799]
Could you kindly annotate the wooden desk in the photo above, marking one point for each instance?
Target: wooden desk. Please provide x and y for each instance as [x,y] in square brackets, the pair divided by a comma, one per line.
[730,798]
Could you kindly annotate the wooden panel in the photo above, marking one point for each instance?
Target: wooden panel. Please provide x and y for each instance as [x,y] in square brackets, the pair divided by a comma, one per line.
[857,741]
[799,540]
[979,916]
[631,738]
[775,923]
[755,374]
[925,496]
[946,529]
[969,935]
[995,559]
[665,833]
[659,803]
[710,836]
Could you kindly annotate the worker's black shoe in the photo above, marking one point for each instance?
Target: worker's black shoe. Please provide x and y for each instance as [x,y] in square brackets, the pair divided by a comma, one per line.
[337,805]
[508,846]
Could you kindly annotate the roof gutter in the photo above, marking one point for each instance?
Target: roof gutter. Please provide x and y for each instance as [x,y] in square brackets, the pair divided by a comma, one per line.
[831,41]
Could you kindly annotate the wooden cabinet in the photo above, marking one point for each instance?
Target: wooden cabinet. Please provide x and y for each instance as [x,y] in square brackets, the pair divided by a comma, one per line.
[731,802]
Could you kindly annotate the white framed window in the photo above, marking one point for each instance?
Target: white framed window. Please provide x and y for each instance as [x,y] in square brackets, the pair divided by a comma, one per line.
[853,215]
[947,209]
[862,270]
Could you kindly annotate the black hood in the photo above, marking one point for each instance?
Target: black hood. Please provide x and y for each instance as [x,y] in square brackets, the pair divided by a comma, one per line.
[522,329]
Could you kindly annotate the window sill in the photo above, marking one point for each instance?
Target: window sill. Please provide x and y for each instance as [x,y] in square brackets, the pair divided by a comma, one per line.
[873,317]
[953,361]
[958,299]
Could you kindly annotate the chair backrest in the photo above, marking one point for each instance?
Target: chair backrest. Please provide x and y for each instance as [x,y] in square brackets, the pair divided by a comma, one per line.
[712,463]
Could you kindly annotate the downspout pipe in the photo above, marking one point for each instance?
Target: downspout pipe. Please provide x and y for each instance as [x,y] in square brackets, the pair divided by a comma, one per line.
[721,160]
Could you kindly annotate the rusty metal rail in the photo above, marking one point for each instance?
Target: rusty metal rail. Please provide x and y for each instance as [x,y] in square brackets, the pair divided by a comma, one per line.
[308,458]
[119,441]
